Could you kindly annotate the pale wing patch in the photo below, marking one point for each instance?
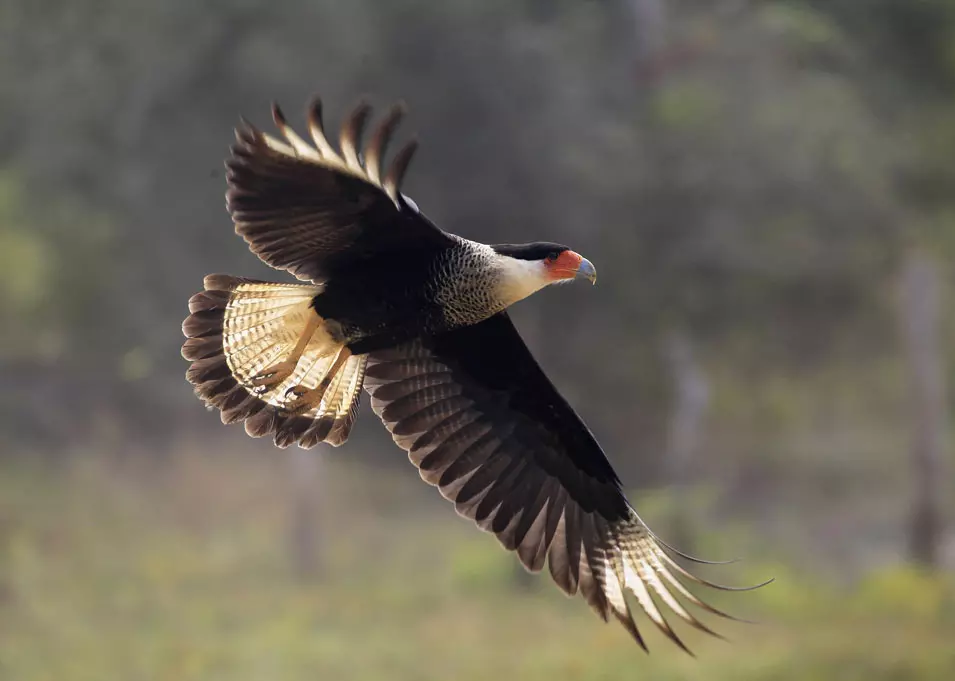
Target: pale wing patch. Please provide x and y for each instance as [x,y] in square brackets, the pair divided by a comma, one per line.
[239,328]
[350,160]
[261,326]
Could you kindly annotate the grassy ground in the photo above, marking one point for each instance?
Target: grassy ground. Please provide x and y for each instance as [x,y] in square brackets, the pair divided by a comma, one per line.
[180,572]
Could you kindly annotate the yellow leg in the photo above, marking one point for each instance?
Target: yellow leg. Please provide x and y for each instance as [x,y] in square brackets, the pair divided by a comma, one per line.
[275,374]
[305,398]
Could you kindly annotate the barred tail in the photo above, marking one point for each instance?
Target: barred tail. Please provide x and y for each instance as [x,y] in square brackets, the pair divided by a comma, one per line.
[238,328]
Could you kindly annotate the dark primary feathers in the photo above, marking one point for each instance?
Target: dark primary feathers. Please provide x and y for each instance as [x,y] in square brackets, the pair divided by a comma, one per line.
[313,211]
[483,423]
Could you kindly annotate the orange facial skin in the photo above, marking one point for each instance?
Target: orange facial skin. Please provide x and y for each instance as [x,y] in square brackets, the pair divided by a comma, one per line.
[569,265]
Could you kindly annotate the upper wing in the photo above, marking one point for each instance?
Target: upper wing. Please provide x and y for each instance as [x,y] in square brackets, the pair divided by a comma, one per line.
[307,209]
[481,421]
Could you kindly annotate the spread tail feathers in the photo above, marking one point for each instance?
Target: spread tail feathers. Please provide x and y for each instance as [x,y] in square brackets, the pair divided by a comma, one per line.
[257,347]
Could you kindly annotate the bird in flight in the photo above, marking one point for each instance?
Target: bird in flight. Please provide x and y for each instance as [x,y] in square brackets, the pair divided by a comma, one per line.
[418,316]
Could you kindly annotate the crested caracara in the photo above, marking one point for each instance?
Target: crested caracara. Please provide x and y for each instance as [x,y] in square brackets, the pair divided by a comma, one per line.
[418,316]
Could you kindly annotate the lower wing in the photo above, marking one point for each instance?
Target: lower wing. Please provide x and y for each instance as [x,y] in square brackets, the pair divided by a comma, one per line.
[482,422]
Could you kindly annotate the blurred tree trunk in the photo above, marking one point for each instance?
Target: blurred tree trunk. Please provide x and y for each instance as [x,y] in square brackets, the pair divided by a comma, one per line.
[691,397]
[304,527]
[920,316]
[649,19]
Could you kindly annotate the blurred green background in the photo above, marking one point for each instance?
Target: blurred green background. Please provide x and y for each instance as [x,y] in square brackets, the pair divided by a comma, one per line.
[768,192]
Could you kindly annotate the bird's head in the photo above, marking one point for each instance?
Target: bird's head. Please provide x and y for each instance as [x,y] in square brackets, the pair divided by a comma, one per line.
[527,268]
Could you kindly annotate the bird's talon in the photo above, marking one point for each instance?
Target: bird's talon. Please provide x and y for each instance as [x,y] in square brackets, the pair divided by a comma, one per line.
[273,375]
[295,392]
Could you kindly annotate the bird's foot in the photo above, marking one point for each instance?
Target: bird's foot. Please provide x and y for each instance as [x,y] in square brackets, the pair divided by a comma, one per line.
[302,399]
[271,377]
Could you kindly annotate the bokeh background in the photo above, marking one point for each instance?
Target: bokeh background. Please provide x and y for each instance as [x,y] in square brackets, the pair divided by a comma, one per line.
[767,189]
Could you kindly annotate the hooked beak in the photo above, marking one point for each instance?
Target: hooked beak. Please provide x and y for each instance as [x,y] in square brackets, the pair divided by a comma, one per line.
[570,265]
[586,271]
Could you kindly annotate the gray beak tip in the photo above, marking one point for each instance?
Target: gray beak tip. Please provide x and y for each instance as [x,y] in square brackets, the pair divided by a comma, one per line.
[586,270]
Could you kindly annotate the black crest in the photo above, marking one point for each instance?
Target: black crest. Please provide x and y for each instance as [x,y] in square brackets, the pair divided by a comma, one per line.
[538,250]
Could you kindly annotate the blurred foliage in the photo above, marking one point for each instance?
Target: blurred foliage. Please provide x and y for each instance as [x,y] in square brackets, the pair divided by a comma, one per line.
[730,173]
[913,39]
[54,270]
[123,575]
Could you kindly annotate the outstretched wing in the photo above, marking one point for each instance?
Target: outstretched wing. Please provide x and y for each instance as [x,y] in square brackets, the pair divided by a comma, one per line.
[483,423]
[311,210]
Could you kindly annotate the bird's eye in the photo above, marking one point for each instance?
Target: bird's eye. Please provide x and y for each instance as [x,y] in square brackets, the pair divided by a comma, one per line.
[552,256]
